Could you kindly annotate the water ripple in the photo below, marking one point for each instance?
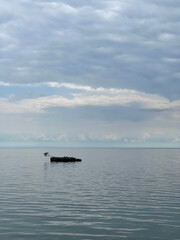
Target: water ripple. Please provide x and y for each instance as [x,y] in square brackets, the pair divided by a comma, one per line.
[131,194]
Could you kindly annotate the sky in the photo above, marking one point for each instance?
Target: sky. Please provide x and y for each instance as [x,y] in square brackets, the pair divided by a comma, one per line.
[78,73]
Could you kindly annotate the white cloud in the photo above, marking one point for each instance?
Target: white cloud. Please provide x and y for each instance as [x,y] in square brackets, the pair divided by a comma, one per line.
[79,45]
[55,8]
[172,60]
[112,137]
[70,85]
[4,84]
[144,137]
[90,97]
[166,37]
[45,138]
[127,58]
[79,41]
[82,137]
[177,140]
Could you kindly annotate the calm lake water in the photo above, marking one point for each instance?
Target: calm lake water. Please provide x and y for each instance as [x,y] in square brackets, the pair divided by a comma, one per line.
[111,194]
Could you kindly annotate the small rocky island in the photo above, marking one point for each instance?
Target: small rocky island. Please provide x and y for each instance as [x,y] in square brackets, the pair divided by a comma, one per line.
[62,159]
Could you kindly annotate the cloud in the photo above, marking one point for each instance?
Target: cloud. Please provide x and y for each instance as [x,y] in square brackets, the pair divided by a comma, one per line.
[71,86]
[45,138]
[172,60]
[89,97]
[4,84]
[97,43]
[177,140]
[108,65]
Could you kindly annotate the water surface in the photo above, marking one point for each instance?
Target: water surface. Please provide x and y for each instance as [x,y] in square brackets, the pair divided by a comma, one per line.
[111,194]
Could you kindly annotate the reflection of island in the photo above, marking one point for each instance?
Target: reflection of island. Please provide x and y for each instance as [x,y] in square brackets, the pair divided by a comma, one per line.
[62,159]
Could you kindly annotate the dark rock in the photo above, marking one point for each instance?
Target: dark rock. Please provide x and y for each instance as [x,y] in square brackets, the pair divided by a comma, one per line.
[62,159]
[65,159]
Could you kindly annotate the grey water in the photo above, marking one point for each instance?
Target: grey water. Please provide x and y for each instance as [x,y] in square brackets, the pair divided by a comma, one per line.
[111,194]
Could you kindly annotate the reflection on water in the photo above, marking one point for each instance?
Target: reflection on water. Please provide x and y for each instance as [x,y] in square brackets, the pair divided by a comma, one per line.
[111,194]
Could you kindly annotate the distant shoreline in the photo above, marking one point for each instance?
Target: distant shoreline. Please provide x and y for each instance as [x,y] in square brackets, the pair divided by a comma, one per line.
[90,147]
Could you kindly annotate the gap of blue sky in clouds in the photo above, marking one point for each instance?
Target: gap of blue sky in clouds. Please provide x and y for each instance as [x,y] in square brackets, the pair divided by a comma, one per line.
[90,73]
